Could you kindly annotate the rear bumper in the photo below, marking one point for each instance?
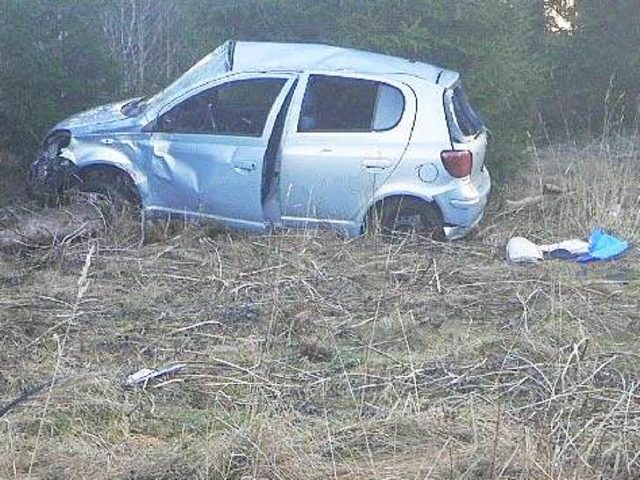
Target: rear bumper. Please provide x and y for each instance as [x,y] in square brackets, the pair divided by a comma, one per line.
[463,207]
[456,232]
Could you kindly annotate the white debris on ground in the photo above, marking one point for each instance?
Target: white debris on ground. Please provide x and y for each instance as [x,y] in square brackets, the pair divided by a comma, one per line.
[521,250]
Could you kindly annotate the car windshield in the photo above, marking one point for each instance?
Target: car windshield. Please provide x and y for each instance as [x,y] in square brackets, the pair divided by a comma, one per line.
[210,67]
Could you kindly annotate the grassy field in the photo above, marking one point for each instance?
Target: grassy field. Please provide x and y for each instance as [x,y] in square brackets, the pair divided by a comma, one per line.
[310,356]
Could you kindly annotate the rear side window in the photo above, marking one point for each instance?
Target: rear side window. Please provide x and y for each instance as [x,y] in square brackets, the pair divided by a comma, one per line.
[390,108]
[339,104]
[464,122]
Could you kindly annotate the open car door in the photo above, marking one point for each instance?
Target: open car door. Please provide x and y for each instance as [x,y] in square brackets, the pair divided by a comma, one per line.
[209,149]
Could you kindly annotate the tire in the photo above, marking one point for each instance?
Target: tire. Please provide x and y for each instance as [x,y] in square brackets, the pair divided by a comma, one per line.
[117,191]
[406,215]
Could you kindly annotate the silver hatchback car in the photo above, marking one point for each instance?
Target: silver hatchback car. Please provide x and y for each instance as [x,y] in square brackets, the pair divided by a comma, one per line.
[269,135]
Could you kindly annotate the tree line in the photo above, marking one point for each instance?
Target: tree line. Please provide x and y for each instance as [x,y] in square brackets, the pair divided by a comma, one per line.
[532,67]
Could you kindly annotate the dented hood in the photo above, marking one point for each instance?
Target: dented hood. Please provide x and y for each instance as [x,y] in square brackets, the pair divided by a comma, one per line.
[103,118]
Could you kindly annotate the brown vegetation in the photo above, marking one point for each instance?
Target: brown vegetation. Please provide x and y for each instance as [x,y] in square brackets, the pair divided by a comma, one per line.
[312,356]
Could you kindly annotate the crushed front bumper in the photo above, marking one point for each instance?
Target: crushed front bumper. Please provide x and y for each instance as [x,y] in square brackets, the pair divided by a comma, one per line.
[50,175]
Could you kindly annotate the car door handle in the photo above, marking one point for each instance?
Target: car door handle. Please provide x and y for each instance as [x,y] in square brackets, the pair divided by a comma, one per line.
[376,164]
[247,166]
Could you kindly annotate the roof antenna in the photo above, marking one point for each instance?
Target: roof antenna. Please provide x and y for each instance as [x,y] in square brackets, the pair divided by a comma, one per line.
[439,77]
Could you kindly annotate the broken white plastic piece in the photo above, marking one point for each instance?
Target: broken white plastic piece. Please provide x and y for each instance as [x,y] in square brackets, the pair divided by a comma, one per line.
[521,250]
[142,377]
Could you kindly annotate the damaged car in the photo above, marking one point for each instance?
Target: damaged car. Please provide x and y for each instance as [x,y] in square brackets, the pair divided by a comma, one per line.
[262,136]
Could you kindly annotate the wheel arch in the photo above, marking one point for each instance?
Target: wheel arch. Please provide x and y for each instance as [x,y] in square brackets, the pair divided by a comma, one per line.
[377,204]
[109,172]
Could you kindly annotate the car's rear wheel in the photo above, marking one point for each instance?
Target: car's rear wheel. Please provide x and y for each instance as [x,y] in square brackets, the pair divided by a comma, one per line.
[406,215]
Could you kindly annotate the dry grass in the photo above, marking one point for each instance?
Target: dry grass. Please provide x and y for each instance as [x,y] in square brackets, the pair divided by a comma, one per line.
[311,356]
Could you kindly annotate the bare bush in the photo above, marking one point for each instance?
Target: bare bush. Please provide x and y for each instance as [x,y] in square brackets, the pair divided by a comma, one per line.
[139,33]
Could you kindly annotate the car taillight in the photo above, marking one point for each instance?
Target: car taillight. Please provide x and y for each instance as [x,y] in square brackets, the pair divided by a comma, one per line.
[457,162]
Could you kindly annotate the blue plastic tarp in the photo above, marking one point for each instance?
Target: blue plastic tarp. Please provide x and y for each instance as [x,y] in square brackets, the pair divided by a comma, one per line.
[603,246]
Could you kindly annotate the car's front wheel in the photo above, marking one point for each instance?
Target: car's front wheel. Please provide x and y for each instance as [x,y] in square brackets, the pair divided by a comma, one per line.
[115,189]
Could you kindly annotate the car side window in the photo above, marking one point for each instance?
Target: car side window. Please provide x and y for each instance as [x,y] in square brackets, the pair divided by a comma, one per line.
[340,104]
[238,108]
[390,108]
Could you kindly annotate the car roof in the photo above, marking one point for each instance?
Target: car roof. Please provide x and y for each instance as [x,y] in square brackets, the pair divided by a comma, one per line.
[267,56]
[245,57]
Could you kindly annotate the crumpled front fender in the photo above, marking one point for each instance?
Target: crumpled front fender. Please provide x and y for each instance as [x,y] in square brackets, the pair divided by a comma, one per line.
[55,171]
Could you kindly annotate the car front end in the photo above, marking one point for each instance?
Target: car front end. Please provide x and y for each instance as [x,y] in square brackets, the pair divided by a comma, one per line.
[106,134]
[50,173]
[77,142]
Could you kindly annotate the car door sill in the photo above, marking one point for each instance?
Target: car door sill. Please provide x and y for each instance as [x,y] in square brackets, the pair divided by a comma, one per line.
[316,221]
[232,222]
[350,228]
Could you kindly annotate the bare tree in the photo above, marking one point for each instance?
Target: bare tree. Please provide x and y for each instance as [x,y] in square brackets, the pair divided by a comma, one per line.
[140,33]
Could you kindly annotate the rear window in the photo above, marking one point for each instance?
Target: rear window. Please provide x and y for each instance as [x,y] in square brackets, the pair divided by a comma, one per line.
[464,122]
